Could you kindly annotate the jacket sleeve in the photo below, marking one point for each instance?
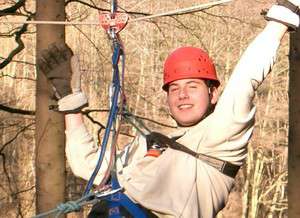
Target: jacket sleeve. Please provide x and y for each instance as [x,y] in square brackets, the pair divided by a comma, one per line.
[83,153]
[229,128]
[250,72]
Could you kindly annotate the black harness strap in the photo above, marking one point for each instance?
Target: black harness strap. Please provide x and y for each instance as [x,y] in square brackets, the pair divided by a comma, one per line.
[163,141]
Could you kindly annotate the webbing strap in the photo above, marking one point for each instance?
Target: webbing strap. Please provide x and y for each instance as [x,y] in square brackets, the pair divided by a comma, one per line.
[224,167]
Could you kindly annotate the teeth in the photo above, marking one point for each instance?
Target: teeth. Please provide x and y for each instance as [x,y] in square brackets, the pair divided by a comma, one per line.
[185,106]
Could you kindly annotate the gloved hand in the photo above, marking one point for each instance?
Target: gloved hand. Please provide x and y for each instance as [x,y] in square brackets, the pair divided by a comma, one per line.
[286,12]
[55,63]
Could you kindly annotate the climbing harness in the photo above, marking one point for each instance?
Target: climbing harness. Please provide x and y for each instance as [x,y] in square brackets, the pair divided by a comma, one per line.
[157,143]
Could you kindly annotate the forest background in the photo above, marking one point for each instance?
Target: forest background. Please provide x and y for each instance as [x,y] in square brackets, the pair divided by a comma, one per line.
[223,31]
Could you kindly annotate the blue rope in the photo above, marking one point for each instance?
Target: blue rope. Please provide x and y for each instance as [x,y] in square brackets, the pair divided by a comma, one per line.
[111,118]
[117,199]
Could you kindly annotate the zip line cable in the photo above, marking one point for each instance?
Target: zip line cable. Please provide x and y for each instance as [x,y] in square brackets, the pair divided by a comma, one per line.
[169,13]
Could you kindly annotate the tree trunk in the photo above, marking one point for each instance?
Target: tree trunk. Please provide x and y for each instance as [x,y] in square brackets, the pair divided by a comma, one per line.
[50,139]
[294,128]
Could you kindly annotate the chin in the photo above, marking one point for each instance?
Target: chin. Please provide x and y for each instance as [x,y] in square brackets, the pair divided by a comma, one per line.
[187,123]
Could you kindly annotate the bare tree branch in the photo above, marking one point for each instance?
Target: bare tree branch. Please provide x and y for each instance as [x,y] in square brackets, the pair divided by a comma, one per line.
[21,62]
[16,77]
[16,110]
[224,17]
[15,137]
[18,49]
[18,33]
[137,116]
[6,171]
[94,6]
[23,191]
[13,9]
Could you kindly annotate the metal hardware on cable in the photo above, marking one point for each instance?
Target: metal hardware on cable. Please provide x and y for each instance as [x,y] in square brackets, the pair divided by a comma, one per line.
[114,21]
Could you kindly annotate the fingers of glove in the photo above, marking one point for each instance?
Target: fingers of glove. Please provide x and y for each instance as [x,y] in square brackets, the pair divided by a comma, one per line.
[42,65]
[76,73]
[65,53]
[49,58]
[61,87]
[55,53]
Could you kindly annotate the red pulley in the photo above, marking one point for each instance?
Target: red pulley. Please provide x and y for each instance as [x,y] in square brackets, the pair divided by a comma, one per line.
[116,21]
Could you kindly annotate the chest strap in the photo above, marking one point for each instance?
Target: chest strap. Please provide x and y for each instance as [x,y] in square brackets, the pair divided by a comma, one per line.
[158,141]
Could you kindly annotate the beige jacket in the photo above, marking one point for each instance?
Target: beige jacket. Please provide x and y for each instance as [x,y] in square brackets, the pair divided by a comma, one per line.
[176,184]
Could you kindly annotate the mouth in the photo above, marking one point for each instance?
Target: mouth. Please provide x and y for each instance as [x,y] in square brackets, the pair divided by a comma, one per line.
[185,106]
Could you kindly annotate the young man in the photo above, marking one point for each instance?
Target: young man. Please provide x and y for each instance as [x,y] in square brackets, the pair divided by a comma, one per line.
[176,184]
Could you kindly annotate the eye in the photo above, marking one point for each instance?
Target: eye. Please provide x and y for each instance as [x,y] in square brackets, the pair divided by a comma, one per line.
[173,88]
[193,86]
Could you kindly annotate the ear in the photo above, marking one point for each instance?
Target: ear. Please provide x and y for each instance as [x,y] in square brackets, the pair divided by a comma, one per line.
[213,94]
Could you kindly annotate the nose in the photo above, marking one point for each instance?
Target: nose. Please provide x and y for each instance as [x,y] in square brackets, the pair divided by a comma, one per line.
[183,93]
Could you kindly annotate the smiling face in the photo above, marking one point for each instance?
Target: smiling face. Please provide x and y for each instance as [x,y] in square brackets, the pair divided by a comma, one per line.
[189,100]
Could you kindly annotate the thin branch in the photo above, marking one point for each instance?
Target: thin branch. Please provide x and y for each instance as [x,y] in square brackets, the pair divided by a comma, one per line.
[21,62]
[87,114]
[5,170]
[16,77]
[18,34]
[13,9]
[104,9]
[224,17]
[18,49]
[137,116]
[15,137]
[23,191]
[16,110]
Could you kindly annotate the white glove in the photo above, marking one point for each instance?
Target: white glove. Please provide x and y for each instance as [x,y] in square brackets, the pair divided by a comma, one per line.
[286,12]
[77,100]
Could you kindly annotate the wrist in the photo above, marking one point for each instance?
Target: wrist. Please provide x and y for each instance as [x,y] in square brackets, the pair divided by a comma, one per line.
[73,103]
[73,121]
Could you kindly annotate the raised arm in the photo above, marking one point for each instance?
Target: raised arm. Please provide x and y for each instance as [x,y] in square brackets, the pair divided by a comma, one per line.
[81,150]
[256,63]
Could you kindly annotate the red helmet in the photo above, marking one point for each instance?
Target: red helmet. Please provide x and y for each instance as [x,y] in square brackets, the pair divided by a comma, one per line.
[189,62]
